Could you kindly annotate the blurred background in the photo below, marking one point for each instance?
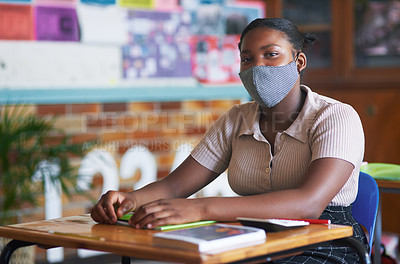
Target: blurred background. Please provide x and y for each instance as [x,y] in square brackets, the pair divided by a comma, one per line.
[143,80]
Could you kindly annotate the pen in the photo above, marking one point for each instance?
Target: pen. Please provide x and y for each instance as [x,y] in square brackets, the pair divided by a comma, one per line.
[311,221]
[125,219]
[316,221]
[186,225]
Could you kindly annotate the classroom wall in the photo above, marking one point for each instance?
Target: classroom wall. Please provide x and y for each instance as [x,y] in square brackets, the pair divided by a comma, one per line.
[161,127]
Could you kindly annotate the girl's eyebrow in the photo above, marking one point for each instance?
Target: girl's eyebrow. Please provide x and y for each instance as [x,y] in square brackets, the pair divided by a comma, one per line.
[261,48]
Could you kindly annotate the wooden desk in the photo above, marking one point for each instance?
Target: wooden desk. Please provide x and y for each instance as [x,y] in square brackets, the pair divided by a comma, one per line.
[82,232]
[389,186]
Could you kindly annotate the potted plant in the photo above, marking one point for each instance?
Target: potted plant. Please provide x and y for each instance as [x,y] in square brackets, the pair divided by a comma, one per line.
[26,140]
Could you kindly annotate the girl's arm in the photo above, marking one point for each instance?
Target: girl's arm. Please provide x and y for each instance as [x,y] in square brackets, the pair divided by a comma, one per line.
[325,177]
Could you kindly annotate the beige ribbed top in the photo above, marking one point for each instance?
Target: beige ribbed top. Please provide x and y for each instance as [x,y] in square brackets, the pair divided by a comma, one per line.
[324,128]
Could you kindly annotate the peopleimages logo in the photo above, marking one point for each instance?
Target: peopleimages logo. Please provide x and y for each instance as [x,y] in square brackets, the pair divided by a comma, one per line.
[148,121]
[177,122]
[162,145]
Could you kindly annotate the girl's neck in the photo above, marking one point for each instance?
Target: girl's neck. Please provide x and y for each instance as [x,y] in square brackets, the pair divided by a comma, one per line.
[283,115]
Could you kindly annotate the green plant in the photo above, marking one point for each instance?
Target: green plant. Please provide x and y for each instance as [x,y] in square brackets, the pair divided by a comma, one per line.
[24,143]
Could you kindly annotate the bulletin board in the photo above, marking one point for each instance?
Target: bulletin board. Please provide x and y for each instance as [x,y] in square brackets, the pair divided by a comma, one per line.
[63,50]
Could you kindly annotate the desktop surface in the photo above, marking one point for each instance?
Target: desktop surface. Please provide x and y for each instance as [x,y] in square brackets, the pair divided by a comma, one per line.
[82,232]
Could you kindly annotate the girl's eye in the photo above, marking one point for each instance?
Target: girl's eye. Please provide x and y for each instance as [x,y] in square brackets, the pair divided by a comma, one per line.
[271,54]
[245,59]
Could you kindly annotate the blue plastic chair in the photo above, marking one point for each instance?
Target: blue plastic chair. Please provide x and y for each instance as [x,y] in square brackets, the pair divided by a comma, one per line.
[365,207]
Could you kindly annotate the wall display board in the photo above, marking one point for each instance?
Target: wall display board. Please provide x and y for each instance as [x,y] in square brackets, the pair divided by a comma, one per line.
[81,45]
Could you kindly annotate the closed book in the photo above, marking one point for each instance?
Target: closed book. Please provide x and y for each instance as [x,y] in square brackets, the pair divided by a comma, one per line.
[211,238]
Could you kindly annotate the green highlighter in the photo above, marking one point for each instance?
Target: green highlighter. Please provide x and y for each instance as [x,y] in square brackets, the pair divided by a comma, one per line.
[125,218]
[185,225]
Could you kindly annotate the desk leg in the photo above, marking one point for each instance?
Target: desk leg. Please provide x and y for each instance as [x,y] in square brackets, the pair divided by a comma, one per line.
[10,248]
[125,260]
[377,235]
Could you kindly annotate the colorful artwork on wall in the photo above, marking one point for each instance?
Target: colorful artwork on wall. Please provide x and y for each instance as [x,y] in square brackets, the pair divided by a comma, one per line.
[56,23]
[215,59]
[158,45]
[16,22]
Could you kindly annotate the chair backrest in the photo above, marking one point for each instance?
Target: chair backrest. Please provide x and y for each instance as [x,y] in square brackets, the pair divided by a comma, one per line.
[365,207]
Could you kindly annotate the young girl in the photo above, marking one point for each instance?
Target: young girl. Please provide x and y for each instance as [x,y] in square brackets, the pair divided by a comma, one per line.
[291,153]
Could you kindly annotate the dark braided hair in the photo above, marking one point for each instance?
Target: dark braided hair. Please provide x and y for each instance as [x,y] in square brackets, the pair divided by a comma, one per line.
[299,41]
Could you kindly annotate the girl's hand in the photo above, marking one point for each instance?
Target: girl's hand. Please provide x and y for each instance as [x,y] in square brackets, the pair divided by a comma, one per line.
[111,205]
[168,212]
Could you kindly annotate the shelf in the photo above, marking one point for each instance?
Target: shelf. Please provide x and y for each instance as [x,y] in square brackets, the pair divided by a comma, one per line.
[122,94]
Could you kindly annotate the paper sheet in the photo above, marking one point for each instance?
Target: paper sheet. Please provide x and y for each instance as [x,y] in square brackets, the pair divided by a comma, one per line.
[33,65]
[103,24]
[137,3]
[16,22]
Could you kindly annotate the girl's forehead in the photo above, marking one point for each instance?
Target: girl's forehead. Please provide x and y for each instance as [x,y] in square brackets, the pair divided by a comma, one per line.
[265,35]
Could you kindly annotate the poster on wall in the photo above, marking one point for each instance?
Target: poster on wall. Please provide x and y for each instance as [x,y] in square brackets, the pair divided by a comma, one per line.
[166,5]
[69,3]
[207,20]
[216,32]
[99,2]
[215,59]
[158,45]
[16,22]
[56,23]
[238,14]
[148,4]
[217,17]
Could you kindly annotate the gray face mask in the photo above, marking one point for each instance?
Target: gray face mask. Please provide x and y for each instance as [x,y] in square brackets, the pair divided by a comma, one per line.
[268,85]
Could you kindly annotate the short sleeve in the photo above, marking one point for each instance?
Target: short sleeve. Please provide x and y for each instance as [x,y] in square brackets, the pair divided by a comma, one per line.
[215,148]
[338,133]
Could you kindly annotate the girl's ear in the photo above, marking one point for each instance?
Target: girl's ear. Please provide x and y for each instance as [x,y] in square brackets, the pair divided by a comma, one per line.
[301,62]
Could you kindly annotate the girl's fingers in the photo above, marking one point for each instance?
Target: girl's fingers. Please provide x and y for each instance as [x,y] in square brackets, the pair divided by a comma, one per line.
[125,207]
[99,214]
[155,219]
[147,213]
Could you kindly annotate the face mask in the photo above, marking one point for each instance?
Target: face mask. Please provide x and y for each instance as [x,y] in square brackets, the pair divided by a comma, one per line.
[268,85]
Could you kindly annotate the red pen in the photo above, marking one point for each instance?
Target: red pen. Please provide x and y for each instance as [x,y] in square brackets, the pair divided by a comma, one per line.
[317,221]
[312,221]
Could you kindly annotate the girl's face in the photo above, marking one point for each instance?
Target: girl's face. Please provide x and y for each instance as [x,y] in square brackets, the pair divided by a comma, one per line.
[265,47]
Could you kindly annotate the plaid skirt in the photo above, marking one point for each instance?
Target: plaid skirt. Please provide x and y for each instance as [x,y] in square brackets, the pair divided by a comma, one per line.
[329,252]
